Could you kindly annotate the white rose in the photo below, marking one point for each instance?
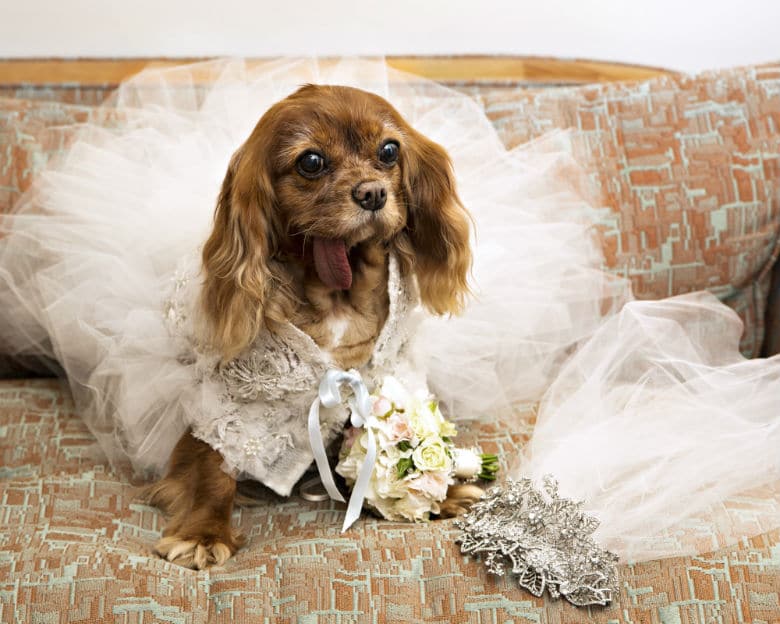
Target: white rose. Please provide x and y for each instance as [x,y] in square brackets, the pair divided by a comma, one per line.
[349,466]
[386,483]
[432,455]
[446,428]
[413,506]
[389,456]
[423,419]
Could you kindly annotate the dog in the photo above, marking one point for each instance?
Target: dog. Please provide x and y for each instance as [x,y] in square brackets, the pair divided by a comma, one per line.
[331,181]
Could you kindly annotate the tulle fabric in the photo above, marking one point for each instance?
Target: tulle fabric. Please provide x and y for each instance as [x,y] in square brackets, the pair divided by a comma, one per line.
[654,419]
[94,247]
[665,430]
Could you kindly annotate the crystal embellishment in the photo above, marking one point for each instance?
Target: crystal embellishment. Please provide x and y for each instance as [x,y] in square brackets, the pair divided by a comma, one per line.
[543,539]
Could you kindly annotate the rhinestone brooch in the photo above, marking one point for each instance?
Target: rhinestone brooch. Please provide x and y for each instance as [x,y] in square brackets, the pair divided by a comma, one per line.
[543,539]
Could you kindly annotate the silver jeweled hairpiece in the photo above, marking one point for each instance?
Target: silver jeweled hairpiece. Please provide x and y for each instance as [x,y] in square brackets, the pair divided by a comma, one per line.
[544,539]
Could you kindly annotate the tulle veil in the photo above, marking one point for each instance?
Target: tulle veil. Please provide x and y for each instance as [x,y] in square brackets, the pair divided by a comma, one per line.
[648,412]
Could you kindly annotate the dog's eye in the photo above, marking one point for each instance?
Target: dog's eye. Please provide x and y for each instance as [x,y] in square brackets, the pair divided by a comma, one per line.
[311,164]
[388,153]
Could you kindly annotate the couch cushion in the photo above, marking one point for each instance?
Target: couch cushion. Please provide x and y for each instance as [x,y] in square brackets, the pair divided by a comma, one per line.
[75,547]
[687,170]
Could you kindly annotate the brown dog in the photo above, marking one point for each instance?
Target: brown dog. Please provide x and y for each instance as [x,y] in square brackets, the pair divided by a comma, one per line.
[330,182]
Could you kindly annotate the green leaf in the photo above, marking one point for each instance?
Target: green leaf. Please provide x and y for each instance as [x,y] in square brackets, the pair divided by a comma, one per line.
[404,445]
[404,465]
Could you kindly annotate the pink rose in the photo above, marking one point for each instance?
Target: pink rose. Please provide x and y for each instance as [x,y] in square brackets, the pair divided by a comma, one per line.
[433,484]
[382,407]
[398,428]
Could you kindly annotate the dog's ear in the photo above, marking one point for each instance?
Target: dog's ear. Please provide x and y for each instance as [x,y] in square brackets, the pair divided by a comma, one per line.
[437,224]
[236,256]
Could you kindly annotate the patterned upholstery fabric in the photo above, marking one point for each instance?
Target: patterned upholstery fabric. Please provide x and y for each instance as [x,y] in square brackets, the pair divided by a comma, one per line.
[75,547]
[688,172]
[33,134]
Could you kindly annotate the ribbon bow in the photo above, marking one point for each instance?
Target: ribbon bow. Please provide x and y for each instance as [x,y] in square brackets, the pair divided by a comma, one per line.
[329,395]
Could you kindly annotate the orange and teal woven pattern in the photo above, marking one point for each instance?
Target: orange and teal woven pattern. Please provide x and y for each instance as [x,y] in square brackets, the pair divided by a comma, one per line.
[688,174]
[75,547]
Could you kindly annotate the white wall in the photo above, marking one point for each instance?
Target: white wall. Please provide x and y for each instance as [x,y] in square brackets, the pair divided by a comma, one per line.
[679,34]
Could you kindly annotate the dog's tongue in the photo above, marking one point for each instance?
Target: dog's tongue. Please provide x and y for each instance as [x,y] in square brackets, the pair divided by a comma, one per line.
[330,259]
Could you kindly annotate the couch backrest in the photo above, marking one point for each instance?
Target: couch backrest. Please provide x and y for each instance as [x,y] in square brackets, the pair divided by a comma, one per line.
[686,170]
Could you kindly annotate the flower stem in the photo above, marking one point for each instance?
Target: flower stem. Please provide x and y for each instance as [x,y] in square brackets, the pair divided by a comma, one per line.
[489,467]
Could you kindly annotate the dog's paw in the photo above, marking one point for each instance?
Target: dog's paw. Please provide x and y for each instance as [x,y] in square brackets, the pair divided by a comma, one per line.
[459,500]
[198,553]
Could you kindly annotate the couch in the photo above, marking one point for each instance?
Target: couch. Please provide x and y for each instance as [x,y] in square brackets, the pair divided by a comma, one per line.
[685,173]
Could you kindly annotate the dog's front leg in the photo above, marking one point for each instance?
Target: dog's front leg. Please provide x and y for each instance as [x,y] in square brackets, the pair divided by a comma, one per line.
[197,495]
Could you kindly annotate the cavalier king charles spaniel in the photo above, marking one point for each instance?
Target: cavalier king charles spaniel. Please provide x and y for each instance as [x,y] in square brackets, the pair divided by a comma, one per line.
[330,182]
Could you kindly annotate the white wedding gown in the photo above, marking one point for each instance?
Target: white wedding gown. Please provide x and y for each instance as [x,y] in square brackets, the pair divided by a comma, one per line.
[653,420]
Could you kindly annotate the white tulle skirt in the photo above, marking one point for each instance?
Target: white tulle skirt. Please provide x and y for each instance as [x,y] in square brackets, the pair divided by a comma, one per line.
[655,418]
[668,434]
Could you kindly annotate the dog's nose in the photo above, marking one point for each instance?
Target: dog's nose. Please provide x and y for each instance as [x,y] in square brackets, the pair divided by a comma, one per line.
[370,195]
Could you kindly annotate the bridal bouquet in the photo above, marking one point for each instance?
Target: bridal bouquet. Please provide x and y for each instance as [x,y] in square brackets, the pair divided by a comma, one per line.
[416,459]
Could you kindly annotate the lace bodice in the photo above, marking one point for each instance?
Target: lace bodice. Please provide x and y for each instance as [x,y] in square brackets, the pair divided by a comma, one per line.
[253,410]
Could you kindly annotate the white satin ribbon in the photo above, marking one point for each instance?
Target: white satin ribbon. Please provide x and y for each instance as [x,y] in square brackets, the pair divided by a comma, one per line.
[329,395]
